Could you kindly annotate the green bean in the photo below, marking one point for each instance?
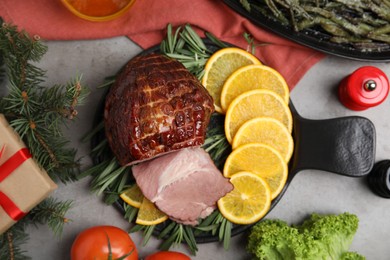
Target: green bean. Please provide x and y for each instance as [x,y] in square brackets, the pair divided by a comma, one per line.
[380,37]
[333,28]
[381,30]
[345,21]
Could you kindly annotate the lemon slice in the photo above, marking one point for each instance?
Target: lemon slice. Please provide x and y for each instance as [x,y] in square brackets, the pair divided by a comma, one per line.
[249,200]
[149,215]
[256,103]
[220,66]
[268,131]
[253,77]
[132,196]
[262,160]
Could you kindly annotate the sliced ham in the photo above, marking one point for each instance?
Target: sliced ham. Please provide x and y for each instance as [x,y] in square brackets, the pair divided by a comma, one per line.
[184,184]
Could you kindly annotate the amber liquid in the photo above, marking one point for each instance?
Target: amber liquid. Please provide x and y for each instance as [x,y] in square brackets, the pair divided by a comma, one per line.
[98,7]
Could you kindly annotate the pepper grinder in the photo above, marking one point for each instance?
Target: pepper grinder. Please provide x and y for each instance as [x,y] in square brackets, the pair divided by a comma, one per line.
[366,87]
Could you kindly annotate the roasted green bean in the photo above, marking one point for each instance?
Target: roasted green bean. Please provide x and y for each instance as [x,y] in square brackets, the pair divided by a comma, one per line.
[345,21]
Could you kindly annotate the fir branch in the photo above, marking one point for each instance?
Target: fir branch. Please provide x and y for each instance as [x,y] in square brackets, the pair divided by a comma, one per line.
[52,212]
[39,113]
[2,70]
[11,242]
[19,49]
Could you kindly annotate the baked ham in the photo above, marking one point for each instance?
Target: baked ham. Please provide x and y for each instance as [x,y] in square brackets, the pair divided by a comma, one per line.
[184,184]
[155,106]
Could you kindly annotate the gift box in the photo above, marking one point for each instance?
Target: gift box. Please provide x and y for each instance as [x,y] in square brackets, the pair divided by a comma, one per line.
[23,184]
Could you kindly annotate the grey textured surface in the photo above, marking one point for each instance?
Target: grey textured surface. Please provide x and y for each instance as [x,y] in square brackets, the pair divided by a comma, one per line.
[310,191]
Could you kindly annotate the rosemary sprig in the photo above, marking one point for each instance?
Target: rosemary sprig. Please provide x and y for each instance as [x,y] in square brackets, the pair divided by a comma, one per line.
[185,45]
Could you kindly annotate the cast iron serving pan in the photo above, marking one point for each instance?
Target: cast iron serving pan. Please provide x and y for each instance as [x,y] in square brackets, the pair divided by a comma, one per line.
[311,38]
[344,146]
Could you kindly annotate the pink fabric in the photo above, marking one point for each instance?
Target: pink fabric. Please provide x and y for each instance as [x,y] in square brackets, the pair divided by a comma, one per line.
[145,23]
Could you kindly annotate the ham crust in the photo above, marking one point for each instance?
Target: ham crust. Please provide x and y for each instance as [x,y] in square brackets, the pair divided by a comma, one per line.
[155,106]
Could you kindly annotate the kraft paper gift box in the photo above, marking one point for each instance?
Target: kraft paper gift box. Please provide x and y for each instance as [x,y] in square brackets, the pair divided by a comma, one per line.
[23,184]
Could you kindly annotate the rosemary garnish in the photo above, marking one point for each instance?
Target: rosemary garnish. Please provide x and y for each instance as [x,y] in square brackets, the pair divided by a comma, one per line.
[186,46]
[109,178]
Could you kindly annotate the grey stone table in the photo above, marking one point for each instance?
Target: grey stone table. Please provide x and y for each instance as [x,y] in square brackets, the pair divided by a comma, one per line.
[310,191]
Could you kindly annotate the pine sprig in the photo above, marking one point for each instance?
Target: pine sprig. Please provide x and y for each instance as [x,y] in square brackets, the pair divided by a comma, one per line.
[38,114]
[11,242]
[52,212]
[19,51]
[2,70]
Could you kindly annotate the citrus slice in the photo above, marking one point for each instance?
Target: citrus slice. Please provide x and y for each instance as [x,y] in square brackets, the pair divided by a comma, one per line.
[262,160]
[253,77]
[252,104]
[132,196]
[249,200]
[268,131]
[220,66]
[149,215]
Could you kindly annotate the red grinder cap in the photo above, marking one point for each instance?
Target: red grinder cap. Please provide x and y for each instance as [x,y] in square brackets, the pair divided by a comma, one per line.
[366,87]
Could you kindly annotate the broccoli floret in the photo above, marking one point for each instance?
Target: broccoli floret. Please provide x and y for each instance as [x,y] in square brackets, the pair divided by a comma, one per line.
[319,237]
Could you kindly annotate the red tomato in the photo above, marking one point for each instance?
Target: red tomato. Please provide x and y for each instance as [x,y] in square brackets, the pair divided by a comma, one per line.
[167,255]
[92,243]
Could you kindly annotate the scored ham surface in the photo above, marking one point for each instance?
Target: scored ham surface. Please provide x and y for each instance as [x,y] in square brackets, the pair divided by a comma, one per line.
[155,106]
[184,184]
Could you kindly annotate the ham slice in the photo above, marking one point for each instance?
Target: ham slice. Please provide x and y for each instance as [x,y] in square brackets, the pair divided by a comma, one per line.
[184,184]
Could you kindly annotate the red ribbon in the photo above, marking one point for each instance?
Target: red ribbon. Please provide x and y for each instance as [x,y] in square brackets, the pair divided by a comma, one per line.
[5,170]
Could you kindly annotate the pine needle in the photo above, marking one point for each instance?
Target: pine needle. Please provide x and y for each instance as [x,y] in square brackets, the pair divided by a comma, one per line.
[38,114]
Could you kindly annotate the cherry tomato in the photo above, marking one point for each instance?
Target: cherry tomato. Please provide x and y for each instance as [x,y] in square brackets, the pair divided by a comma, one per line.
[167,255]
[93,243]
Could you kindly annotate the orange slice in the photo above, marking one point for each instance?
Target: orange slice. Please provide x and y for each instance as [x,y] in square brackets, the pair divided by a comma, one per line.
[268,131]
[248,202]
[253,77]
[256,103]
[149,215]
[132,196]
[262,160]
[220,66]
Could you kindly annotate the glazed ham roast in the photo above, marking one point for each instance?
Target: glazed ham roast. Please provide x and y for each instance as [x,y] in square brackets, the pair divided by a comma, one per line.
[155,106]
[156,116]
[184,184]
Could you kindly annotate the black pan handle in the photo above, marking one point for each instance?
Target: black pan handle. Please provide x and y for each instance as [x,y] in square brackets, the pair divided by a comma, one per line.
[343,145]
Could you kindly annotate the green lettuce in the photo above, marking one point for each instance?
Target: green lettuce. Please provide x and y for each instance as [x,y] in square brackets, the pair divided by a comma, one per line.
[322,237]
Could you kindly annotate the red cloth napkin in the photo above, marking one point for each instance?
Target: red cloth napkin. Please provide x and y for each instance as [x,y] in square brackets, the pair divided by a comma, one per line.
[146,21]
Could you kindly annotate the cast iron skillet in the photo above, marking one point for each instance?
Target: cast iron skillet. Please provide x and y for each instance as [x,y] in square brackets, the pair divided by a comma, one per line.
[344,146]
[314,39]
